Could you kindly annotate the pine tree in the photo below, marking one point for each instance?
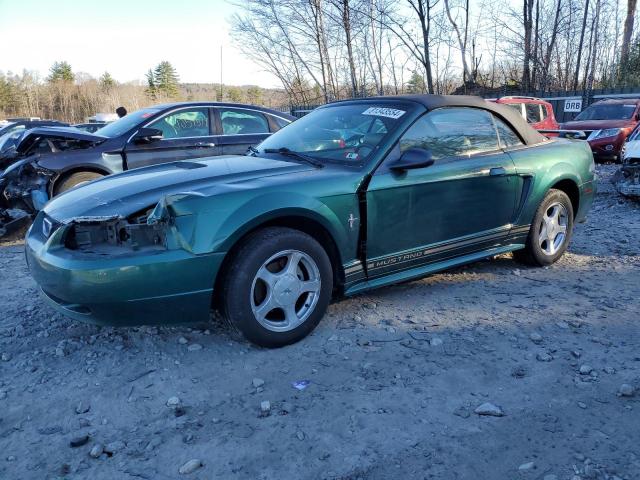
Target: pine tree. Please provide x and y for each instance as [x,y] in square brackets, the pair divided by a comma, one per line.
[60,72]
[416,83]
[166,79]
[152,89]
[8,95]
[106,81]
[254,95]
[235,94]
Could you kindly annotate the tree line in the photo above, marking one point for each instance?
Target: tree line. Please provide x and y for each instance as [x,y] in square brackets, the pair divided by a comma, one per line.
[74,96]
[323,50]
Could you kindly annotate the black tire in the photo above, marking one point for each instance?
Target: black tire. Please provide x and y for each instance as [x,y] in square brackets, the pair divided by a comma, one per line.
[619,158]
[533,253]
[238,284]
[74,180]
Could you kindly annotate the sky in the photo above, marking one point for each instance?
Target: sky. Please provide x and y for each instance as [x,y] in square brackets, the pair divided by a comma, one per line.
[126,38]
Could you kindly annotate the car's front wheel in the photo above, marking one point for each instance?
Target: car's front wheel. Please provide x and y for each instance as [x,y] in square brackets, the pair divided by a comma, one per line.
[277,286]
[550,232]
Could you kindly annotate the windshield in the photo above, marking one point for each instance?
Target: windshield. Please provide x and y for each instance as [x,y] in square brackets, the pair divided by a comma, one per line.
[10,139]
[11,127]
[611,111]
[4,127]
[126,123]
[341,133]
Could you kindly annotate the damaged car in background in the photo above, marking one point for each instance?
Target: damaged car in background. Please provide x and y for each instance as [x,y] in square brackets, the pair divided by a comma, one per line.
[356,195]
[24,183]
[627,178]
[48,161]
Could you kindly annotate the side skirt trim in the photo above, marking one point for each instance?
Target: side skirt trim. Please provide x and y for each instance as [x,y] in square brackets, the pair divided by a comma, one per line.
[424,270]
[397,259]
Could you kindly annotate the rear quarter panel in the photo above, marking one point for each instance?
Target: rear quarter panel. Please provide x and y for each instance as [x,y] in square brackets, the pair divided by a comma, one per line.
[542,166]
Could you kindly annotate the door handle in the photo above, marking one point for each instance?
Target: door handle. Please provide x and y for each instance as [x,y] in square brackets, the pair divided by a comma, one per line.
[204,145]
[497,171]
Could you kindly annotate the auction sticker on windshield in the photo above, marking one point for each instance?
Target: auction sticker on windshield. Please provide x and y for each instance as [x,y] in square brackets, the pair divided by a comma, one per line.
[384,112]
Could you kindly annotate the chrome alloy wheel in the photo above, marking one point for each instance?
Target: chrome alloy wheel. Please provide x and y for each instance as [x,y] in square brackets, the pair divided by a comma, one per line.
[285,290]
[552,231]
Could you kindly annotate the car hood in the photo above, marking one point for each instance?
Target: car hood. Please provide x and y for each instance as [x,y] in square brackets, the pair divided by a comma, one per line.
[70,133]
[595,124]
[130,192]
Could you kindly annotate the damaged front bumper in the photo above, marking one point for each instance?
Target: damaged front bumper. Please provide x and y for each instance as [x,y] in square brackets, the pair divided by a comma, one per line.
[25,185]
[24,190]
[627,179]
[118,272]
[12,220]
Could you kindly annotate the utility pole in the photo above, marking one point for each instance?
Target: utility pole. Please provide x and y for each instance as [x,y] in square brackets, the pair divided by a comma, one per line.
[220,72]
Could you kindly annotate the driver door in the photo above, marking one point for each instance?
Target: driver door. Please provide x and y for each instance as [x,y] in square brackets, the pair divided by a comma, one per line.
[186,133]
[464,202]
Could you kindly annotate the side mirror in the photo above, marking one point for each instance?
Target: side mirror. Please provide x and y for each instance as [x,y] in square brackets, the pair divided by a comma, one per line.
[147,135]
[412,158]
[638,116]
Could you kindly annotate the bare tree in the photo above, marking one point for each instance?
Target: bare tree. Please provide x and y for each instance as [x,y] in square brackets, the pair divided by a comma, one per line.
[527,21]
[417,45]
[628,32]
[550,46]
[462,38]
[345,17]
[581,44]
[595,31]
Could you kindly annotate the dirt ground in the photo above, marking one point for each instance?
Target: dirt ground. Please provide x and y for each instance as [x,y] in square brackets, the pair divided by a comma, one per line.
[393,380]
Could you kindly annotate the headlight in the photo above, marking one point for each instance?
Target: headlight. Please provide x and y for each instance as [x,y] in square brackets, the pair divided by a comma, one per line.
[605,133]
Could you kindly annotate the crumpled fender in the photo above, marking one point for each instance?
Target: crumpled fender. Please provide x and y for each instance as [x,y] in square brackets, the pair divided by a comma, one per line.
[267,207]
[218,224]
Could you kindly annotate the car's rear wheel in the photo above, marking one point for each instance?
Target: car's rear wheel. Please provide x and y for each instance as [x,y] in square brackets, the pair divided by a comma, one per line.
[277,286]
[550,232]
[75,179]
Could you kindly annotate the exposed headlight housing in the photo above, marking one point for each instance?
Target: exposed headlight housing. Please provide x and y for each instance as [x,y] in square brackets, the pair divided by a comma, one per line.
[604,133]
[110,235]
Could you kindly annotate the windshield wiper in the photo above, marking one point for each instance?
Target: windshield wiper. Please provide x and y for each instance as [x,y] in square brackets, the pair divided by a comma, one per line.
[290,153]
[253,150]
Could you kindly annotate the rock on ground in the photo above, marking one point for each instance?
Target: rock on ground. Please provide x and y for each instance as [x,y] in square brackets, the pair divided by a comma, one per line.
[489,409]
[190,467]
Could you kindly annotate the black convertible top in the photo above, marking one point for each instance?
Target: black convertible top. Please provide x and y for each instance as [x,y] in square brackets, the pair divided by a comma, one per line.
[430,102]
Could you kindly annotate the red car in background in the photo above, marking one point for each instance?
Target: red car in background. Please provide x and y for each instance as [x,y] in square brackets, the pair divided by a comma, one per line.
[607,124]
[537,112]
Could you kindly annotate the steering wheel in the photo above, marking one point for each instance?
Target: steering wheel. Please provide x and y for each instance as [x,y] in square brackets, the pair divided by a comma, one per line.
[354,140]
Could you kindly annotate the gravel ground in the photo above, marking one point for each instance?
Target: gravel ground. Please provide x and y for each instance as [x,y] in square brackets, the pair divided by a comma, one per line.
[493,371]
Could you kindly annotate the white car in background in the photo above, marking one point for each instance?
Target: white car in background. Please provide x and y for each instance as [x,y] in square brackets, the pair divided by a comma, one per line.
[631,149]
[627,178]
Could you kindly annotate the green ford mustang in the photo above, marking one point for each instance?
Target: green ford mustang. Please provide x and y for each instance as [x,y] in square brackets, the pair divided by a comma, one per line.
[356,195]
